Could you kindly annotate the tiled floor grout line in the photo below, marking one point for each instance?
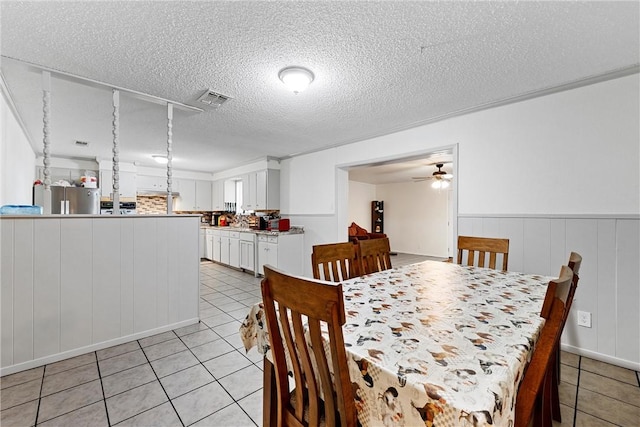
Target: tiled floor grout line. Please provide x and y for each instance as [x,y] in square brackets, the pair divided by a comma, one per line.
[104,397]
[161,385]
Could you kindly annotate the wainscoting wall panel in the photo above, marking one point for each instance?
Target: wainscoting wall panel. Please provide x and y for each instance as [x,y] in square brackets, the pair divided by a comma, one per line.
[609,286]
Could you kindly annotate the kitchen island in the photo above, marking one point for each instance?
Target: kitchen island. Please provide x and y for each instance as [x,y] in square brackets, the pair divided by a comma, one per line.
[71,284]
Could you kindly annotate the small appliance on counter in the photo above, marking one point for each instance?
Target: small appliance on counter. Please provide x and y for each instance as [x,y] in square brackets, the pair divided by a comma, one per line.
[264,223]
[279,224]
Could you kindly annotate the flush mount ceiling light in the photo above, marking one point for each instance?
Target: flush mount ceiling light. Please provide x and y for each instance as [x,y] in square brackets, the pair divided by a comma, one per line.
[160,159]
[297,79]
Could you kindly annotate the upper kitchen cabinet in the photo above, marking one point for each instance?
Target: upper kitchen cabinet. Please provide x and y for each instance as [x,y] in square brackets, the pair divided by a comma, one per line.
[217,195]
[151,183]
[261,190]
[127,184]
[195,195]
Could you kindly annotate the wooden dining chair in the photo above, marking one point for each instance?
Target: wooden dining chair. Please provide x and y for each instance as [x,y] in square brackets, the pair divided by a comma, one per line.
[483,246]
[529,397]
[575,261]
[335,262]
[375,255]
[322,392]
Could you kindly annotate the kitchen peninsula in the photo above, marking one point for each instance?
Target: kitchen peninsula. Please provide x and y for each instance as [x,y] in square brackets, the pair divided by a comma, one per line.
[78,283]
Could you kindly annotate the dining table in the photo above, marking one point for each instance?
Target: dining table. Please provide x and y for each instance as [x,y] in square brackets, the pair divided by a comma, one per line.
[430,344]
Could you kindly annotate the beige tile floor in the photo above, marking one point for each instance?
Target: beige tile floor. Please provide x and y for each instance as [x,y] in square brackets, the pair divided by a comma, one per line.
[200,375]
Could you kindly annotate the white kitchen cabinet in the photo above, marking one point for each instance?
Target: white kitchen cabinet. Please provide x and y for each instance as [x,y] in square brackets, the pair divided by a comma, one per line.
[208,245]
[247,251]
[283,251]
[217,195]
[224,247]
[229,193]
[234,249]
[203,243]
[216,250]
[249,191]
[151,183]
[261,190]
[195,195]
[127,183]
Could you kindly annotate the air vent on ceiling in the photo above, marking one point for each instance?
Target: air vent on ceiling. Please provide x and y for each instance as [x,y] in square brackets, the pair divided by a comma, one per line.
[213,99]
[82,143]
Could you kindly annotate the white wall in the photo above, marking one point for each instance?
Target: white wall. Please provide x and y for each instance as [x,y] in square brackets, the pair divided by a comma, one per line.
[360,196]
[17,160]
[539,157]
[415,218]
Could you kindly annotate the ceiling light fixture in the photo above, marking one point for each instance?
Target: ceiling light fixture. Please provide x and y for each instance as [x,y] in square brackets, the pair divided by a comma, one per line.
[160,159]
[440,183]
[297,79]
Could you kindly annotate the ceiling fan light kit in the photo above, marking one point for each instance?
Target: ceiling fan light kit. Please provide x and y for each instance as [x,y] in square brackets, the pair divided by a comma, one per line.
[441,178]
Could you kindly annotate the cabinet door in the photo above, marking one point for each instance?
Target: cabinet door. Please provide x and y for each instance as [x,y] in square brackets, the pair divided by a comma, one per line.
[203,195]
[229,191]
[267,254]
[217,193]
[187,199]
[217,253]
[246,255]
[261,190]
[203,244]
[127,182]
[249,191]
[209,247]
[224,250]
[234,252]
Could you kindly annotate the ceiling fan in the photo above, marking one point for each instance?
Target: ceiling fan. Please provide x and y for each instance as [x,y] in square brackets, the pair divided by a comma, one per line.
[441,179]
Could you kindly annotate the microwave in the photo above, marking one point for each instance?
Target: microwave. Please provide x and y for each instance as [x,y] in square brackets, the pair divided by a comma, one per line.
[281,224]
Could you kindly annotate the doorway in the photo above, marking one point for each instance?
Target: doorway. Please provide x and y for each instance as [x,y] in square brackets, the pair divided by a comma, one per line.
[419,219]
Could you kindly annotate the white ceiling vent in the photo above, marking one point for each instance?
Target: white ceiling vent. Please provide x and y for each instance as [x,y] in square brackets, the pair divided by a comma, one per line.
[213,99]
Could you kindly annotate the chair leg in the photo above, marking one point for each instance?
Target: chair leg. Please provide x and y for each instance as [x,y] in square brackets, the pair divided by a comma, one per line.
[547,392]
[270,395]
[554,385]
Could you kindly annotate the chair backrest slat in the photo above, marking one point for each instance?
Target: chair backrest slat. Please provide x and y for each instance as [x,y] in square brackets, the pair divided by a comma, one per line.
[375,255]
[483,246]
[314,307]
[335,262]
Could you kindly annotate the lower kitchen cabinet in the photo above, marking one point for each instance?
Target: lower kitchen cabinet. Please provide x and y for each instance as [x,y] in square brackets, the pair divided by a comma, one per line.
[247,251]
[234,249]
[216,251]
[283,251]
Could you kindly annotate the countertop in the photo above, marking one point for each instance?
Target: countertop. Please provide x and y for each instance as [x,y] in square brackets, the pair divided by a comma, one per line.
[292,230]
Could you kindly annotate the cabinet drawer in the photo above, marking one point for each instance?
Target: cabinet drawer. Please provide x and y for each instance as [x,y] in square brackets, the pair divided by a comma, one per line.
[224,233]
[234,234]
[247,237]
[209,232]
[272,239]
[262,238]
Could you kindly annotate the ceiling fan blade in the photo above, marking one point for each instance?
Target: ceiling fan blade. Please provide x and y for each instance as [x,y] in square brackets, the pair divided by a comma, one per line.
[419,178]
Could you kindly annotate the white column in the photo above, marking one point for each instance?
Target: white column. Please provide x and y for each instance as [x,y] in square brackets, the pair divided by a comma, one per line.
[116,157]
[46,141]
[169,157]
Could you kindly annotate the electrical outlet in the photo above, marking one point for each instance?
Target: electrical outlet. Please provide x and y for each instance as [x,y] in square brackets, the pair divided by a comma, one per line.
[584,319]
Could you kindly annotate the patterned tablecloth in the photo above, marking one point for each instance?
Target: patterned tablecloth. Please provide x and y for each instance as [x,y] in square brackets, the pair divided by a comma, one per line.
[434,344]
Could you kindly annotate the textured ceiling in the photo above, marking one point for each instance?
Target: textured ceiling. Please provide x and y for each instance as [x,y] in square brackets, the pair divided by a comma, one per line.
[379,66]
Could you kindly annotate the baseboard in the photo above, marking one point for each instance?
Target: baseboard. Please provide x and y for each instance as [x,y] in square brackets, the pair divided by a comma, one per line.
[628,364]
[12,369]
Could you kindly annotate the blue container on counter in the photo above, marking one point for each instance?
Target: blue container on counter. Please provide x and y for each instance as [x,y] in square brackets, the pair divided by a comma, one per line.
[21,210]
